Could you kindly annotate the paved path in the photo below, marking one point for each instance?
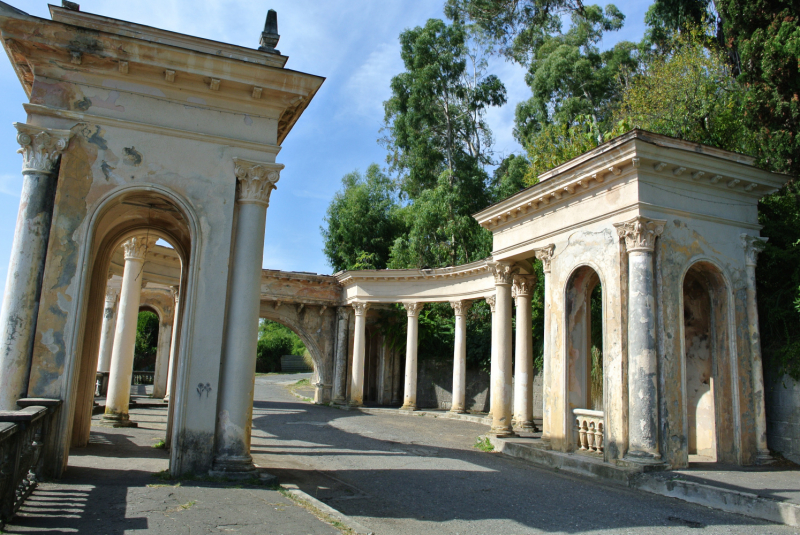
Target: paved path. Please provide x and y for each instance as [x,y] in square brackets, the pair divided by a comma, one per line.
[398,474]
[110,488]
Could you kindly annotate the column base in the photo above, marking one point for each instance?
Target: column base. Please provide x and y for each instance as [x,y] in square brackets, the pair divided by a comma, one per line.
[643,457]
[408,407]
[527,427]
[456,410]
[234,467]
[354,404]
[116,420]
[764,458]
[502,432]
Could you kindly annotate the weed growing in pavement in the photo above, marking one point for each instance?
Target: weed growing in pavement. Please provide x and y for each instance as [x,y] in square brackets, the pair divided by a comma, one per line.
[187,505]
[484,444]
[160,445]
[303,382]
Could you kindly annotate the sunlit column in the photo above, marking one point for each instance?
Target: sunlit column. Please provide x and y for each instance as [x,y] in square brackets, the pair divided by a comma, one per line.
[460,356]
[359,351]
[412,339]
[107,337]
[523,365]
[545,254]
[173,345]
[501,343]
[340,362]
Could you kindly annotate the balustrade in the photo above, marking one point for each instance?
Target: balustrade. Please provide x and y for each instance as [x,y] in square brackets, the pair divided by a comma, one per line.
[142,378]
[23,434]
[589,430]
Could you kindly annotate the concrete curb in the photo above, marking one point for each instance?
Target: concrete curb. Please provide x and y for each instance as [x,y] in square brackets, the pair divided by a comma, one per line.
[731,501]
[326,509]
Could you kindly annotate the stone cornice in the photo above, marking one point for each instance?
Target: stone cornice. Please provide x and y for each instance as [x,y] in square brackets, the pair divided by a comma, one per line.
[40,147]
[393,275]
[640,233]
[752,246]
[639,154]
[256,180]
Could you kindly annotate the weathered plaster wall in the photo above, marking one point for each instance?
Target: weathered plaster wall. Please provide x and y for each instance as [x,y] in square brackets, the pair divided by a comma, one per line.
[783,416]
[435,387]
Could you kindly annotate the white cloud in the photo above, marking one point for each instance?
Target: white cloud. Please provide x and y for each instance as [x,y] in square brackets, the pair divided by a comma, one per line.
[368,87]
[10,185]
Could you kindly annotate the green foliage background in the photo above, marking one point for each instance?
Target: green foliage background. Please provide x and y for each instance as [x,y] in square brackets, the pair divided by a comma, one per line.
[144,353]
[274,341]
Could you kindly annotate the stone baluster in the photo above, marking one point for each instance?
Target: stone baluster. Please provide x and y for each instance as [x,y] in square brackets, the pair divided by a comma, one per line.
[501,343]
[545,254]
[412,339]
[640,236]
[40,149]
[340,362]
[752,246]
[119,380]
[589,427]
[460,357]
[359,353]
[255,182]
[523,365]
[173,345]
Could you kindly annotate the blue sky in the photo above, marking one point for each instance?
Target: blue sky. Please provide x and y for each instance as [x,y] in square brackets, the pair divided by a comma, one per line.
[353,43]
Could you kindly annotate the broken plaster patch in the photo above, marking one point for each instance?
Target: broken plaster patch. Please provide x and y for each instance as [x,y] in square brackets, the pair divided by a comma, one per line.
[132,156]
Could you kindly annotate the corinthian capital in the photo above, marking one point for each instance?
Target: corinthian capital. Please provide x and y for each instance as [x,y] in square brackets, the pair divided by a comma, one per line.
[413,309]
[360,308]
[256,180]
[492,301]
[523,284]
[460,307]
[136,248]
[40,147]
[502,271]
[752,246]
[545,254]
[640,233]
[111,297]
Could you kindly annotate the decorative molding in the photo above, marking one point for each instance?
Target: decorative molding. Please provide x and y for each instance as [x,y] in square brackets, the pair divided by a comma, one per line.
[360,308]
[256,180]
[123,67]
[176,293]
[503,272]
[40,147]
[640,233]
[136,248]
[752,246]
[169,75]
[413,309]
[491,300]
[257,91]
[523,284]
[461,307]
[214,84]
[545,254]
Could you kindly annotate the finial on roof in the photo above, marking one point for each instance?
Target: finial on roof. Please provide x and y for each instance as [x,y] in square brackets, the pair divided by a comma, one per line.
[72,6]
[270,37]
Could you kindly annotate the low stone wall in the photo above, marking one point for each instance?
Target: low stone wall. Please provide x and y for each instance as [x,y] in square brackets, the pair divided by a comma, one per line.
[435,388]
[783,416]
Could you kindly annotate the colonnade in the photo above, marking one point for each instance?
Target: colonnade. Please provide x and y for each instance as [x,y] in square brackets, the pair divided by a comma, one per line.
[512,289]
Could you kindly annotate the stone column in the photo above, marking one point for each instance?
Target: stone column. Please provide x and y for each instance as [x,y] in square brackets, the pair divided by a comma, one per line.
[752,246]
[501,345]
[173,363]
[255,182]
[40,151]
[119,381]
[523,365]
[359,348]
[107,337]
[340,362]
[460,357]
[640,236]
[412,338]
[492,302]
[545,254]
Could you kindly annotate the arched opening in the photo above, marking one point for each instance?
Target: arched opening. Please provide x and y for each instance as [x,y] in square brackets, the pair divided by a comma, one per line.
[145,351]
[707,377]
[584,363]
[133,212]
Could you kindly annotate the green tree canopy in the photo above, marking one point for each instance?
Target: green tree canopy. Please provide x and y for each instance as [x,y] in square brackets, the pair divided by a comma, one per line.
[146,345]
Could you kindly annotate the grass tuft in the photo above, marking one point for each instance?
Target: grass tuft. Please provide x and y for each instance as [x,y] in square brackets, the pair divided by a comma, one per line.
[484,444]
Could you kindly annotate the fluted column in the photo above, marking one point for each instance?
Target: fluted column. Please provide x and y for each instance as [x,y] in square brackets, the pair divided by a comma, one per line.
[119,380]
[752,246]
[359,349]
[412,338]
[40,149]
[255,182]
[501,343]
[173,343]
[640,236]
[523,363]
[340,360]
[460,357]
[545,254]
